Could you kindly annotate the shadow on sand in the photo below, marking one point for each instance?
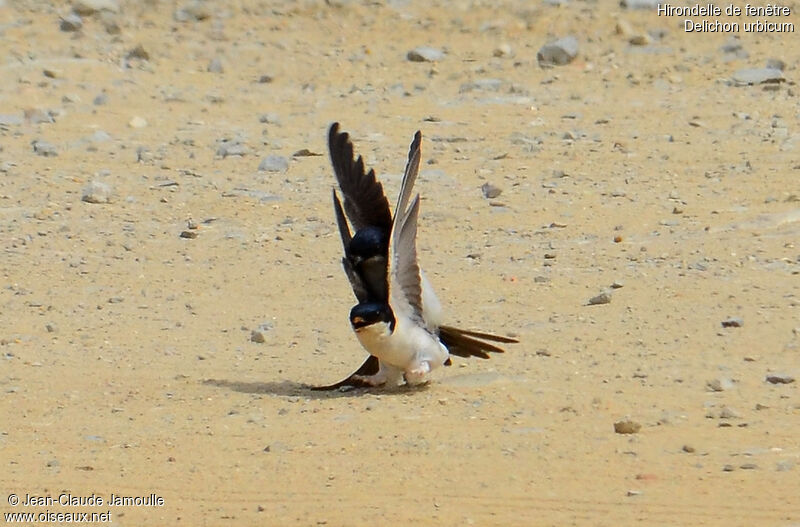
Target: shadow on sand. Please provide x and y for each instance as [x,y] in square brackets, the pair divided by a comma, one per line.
[296,389]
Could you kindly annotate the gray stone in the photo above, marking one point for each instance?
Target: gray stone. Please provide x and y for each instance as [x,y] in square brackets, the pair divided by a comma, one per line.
[260,195]
[720,384]
[96,192]
[274,163]
[138,53]
[100,100]
[110,22]
[733,322]
[640,4]
[425,54]
[90,7]
[215,66]
[37,116]
[481,84]
[776,64]
[503,50]
[780,378]
[192,12]
[99,136]
[751,76]
[43,148]
[10,119]
[559,52]
[490,191]
[734,48]
[269,118]
[71,22]
[602,298]
[231,147]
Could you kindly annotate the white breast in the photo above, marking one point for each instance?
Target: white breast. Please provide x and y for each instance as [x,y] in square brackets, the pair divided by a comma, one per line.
[407,345]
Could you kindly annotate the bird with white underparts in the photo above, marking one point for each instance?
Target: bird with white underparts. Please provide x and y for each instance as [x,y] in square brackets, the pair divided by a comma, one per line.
[398,318]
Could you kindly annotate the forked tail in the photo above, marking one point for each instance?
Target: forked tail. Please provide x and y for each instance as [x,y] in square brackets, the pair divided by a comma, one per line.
[465,343]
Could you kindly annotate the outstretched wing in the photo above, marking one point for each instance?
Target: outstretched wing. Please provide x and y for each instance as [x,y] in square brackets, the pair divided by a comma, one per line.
[369,368]
[364,200]
[409,176]
[405,284]
[356,281]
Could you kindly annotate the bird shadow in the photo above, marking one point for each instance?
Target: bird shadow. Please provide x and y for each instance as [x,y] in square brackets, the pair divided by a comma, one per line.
[289,388]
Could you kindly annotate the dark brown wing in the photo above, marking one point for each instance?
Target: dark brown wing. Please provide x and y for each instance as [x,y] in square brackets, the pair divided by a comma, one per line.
[464,343]
[364,200]
[370,367]
[356,281]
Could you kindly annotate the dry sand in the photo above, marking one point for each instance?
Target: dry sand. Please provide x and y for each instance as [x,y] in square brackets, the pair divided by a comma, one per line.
[126,360]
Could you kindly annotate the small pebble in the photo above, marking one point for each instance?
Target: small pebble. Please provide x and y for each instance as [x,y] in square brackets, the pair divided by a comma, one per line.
[274,163]
[425,54]
[557,53]
[193,11]
[602,298]
[688,449]
[640,4]
[43,148]
[232,147]
[776,64]
[257,337]
[733,322]
[189,234]
[503,50]
[71,22]
[138,53]
[96,192]
[627,426]
[10,119]
[100,99]
[728,468]
[720,384]
[269,118]
[90,7]
[780,378]
[215,66]
[728,413]
[490,191]
[751,76]
[137,122]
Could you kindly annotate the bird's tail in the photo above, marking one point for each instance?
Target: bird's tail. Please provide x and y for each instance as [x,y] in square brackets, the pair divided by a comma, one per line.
[465,343]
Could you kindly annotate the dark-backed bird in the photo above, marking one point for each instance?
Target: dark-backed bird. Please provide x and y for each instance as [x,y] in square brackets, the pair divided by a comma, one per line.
[398,318]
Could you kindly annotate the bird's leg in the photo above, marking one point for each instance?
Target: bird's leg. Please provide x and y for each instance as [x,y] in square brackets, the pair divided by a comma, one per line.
[386,375]
[417,372]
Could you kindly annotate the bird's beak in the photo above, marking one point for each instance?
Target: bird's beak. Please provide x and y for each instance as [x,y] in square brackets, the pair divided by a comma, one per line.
[358,320]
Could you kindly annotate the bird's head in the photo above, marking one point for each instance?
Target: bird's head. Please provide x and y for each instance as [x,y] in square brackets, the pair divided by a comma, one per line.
[368,242]
[366,314]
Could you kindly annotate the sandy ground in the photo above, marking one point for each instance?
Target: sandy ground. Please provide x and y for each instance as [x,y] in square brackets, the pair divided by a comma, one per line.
[127,364]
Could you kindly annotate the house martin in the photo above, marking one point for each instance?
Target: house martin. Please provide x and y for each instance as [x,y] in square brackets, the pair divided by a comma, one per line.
[398,318]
